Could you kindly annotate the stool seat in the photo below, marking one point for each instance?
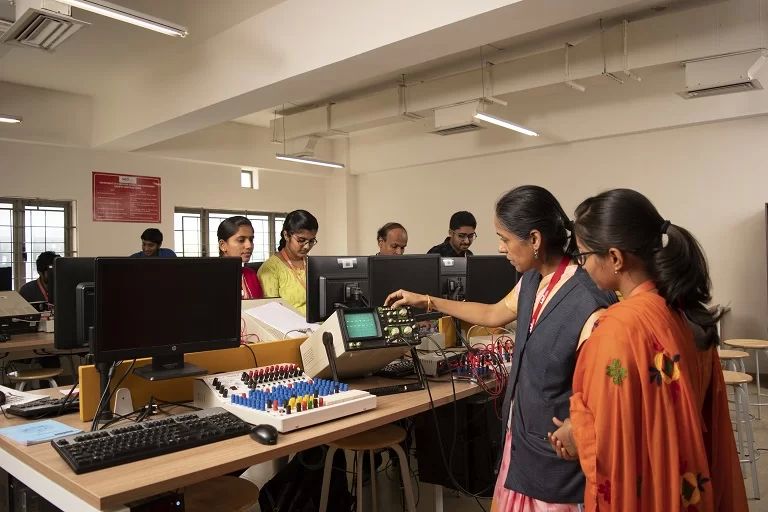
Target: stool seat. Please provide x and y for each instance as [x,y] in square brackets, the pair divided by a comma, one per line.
[34,374]
[733,378]
[747,343]
[375,439]
[732,354]
[221,494]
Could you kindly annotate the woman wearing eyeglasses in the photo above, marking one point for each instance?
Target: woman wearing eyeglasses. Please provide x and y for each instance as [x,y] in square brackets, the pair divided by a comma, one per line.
[555,305]
[284,274]
[649,413]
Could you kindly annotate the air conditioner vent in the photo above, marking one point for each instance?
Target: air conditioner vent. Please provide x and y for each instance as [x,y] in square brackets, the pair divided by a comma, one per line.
[462,128]
[725,89]
[41,29]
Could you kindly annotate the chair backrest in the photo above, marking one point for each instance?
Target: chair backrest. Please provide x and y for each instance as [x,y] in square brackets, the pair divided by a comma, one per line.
[254,265]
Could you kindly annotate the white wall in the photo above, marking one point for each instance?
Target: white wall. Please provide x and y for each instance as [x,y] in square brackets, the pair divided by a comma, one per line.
[48,172]
[709,178]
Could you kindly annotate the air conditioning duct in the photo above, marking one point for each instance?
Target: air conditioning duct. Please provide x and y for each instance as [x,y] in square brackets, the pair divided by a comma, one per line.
[725,74]
[457,119]
[41,24]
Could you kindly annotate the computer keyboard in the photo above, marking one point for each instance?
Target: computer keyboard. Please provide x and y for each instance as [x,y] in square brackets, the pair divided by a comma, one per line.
[45,407]
[396,388]
[397,368]
[105,448]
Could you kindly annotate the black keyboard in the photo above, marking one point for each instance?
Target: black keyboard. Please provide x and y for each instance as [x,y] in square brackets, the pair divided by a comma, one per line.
[396,369]
[105,448]
[396,388]
[45,407]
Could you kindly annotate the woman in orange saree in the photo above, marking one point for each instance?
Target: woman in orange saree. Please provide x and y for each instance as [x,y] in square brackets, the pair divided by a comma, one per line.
[649,413]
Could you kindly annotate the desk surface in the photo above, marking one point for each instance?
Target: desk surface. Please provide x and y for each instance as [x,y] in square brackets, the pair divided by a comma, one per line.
[121,484]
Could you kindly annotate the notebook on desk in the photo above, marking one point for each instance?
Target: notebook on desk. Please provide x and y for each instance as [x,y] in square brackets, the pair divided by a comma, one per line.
[37,432]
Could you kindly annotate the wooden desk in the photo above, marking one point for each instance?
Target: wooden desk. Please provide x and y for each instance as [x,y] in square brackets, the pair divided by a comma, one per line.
[35,344]
[43,470]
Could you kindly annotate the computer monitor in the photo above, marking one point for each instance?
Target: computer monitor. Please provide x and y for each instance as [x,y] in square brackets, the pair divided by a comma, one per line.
[419,273]
[6,279]
[453,275]
[489,278]
[163,308]
[66,275]
[335,280]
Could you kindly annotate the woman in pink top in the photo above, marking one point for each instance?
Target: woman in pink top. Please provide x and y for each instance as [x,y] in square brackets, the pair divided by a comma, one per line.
[235,236]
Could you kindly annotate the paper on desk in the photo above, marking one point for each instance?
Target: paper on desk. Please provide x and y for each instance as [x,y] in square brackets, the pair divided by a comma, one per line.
[14,397]
[281,318]
[38,432]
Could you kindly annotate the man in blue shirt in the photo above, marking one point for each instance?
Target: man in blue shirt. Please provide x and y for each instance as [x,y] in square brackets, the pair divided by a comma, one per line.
[151,240]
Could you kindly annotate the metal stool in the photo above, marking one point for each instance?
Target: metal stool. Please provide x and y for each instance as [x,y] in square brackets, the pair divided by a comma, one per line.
[221,494]
[747,451]
[754,346]
[733,359]
[387,436]
[21,377]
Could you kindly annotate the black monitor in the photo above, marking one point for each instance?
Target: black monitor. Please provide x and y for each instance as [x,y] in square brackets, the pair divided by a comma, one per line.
[333,280]
[66,275]
[489,278]
[6,279]
[419,273]
[453,275]
[163,308]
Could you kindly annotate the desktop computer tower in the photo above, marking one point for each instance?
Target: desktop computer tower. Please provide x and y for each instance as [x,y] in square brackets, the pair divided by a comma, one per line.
[476,450]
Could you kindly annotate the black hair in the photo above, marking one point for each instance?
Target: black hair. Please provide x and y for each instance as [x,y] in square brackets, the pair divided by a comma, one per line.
[153,235]
[462,218]
[525,208]
[626,220]
[230,226]
[384,230]
[295,221]
[45,260]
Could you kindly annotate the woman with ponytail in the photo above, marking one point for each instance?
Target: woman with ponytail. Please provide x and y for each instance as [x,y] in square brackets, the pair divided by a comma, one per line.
[284,274]
[555,305]
[649,415]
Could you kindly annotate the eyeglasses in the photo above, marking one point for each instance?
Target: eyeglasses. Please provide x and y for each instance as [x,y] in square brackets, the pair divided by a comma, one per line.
[303,241]
[581,257]
[466,236]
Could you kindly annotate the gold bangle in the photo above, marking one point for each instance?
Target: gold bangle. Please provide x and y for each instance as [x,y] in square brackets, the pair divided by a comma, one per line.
[429,304]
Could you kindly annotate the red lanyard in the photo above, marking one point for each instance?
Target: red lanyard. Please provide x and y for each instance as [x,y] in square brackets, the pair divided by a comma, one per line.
[555,279]
[43,290]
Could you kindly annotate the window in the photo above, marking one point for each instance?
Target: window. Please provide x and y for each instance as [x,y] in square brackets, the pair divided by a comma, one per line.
[29,227]
[195,231]
[249,178]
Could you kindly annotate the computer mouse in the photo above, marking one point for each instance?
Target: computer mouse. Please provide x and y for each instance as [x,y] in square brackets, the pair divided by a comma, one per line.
[264,434]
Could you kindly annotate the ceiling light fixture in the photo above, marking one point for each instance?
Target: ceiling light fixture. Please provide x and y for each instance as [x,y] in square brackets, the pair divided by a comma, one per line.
[121,13]
[307,160]
[9,119]
[504,124]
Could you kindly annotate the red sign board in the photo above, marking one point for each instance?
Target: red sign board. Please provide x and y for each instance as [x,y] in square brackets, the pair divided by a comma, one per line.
[125,198]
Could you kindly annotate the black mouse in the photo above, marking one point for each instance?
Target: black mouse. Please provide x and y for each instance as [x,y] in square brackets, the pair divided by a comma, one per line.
[264,434]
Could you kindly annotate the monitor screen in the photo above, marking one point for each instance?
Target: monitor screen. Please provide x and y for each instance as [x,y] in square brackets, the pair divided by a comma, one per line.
[6,279]
[489,278]
[165,306]
[361,325]
[453,275]
[66,275]
[419,273]
[335,280]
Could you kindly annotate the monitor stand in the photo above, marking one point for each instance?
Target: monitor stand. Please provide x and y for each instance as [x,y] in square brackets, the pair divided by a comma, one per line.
[168,367]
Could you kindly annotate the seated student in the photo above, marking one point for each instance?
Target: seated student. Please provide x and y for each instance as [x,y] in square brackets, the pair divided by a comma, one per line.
[151,240]
[392,238]
[461,234]
[235,236]
[284,274]
[36,292]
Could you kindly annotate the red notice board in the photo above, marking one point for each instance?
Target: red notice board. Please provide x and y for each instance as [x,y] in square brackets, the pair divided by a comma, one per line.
[125,198]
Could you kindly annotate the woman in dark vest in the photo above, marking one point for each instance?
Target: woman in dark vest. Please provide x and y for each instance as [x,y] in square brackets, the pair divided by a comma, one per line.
[555,304]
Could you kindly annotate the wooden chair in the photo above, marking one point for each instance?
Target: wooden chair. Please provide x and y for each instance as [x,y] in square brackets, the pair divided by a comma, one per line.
[371,441]
[221,494]
[744,434]
[21,377]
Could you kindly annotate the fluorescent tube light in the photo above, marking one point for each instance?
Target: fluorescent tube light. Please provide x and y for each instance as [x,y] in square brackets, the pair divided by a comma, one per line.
[504,124]
[307,160]
[120,13]
[9,119]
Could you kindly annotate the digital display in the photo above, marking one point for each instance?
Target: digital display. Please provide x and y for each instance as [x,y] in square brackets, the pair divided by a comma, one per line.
[361,325]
